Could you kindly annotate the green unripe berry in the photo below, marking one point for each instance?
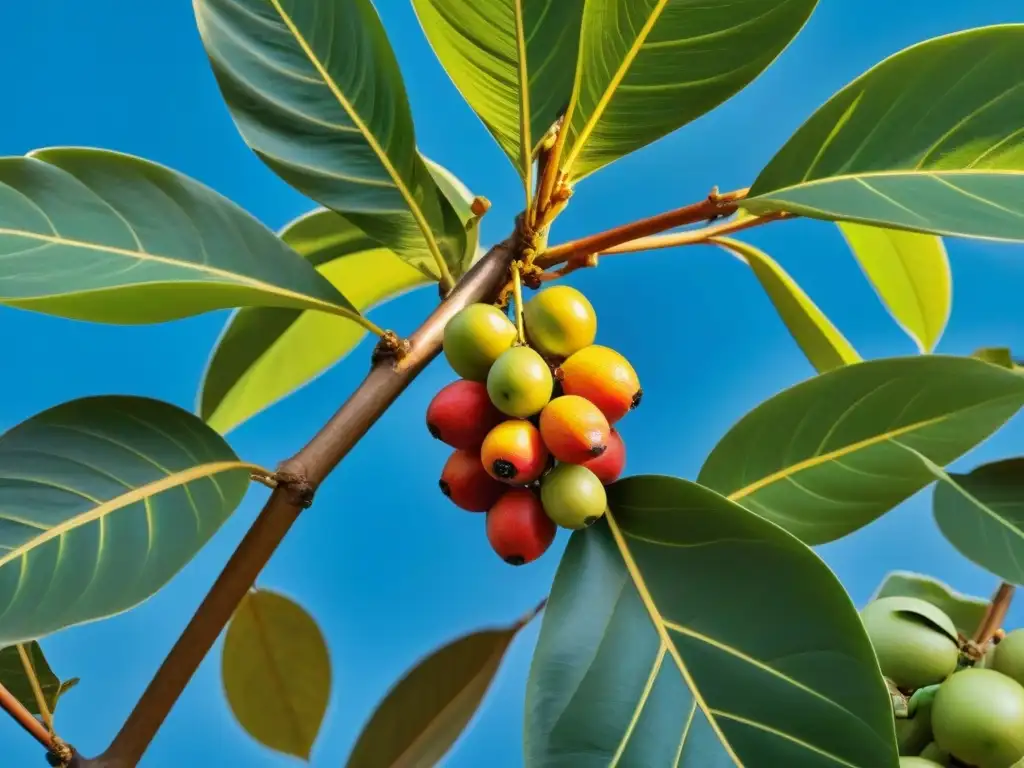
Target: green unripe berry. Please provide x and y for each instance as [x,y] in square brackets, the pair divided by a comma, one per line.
[978,718]
[913,640]
[520,383]
[1008,656]
[573,496]
[917,762]
[559,321]
[475,338]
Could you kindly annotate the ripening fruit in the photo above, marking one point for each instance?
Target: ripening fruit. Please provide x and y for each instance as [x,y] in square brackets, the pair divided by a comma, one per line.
[978,718]
[517,527]
[475,338]
[574,429]
[609,465]
[520,382]
[915,732]
[559,321]
[467,484]
[917,762]
[605,378]
[514,453]
[573,496]
[913,640]
[462,414]
[1008,656]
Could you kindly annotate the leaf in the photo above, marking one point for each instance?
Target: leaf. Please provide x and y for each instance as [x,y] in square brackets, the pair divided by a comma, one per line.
[424,714]
[102,501]
[462,225]
[648,67]
[910,273]
[684,630]
[929,140]
[276,672]
[490,48]
[315,90]
[823,344]
[829,455]
[996,355]
[14,678]
[265,354]
[965,611]
[111,238]
[981,513]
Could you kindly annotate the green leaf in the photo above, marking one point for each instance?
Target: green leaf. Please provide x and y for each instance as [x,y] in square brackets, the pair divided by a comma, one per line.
[462,234]
[910,273]
[110,238]
[965,611]
[648,67]
[981,513]
[684,630]
[265,354]
[829,455]
[512,60]
[14,678]
[424,714]
[823,344]
[102,501]
[276,672]
[315,90]
[1001,356]
[930,140]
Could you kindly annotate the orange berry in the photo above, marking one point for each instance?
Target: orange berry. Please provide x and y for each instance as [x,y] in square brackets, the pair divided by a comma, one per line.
[514,453]
[605,378]
[574,429]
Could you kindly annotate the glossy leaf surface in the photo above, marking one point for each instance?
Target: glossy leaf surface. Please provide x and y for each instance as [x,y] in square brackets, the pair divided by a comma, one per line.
[929,140]
[14,678]
[966,612]
[683,630]
[102,501]
[829,455]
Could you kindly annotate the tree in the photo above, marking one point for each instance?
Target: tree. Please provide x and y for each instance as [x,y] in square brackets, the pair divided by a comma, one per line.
[893,165]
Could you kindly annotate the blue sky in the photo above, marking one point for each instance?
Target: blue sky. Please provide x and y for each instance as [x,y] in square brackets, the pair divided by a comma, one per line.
[392,575]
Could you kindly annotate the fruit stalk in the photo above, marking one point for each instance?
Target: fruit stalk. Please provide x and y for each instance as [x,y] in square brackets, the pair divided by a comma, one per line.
[996,613]
[517,295]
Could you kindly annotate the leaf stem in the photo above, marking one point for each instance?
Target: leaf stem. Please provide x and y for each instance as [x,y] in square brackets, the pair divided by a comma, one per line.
[517,294]
[692,237]
[996,613]
[37,690]
[10,704]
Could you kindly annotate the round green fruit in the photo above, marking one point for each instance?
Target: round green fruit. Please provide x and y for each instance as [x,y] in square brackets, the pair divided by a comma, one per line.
[573,496]
[559,321]
[978,718]
[475,338]
[1008,656]
[520,383]
[913,640]
[936,755]
[918,762]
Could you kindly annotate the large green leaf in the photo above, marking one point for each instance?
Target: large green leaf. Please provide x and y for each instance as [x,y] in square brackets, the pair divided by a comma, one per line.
[276,672]
[910,273]
[823,344]
[930,140]
[264,354]
[102,501]
[512,60]
[315,90]
[684,630]
[15,679]
[981,513]
[828,456]
[111,238]
[424,714]
[648,67]
[966,612]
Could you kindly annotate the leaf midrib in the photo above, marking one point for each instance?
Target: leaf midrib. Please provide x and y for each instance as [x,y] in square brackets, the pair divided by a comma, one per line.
[525,139]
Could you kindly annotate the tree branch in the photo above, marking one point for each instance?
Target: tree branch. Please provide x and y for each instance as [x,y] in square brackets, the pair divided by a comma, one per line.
[24,718]
[306,470]
[996,614]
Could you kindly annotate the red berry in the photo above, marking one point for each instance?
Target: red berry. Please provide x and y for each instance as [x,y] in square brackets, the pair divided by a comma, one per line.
[517,527]
[462,414]
[609,465]
[465,481]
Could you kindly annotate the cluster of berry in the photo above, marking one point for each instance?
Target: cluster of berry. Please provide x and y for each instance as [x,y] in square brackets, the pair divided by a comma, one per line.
[533,413]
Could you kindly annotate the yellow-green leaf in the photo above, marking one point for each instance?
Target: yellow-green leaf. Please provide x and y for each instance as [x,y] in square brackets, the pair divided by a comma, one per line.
[966,611]
[276,672]
[825,347]
[15,679]
[910,273]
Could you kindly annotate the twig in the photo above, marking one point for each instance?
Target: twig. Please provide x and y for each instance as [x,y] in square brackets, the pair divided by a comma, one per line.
[995,615]
[693,237]
[24,718]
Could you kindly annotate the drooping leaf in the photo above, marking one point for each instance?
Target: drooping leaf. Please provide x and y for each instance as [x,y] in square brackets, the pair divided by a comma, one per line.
[102,501]
[829,455]
[111,238]
[648,67]
[684,630]
[15,679]
[981,513]
[424,714]
[512,60]
[823,344]
[965,611]
[910,273]
[276,672]
[1001,356]
[462,227]
[315,90]
[929,140]
[266,354]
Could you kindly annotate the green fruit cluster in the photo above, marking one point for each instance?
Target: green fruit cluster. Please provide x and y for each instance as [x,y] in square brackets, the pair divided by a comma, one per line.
[531,420]
[958,713]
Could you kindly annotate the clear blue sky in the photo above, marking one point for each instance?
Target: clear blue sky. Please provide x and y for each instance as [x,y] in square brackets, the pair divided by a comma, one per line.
[392,575]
